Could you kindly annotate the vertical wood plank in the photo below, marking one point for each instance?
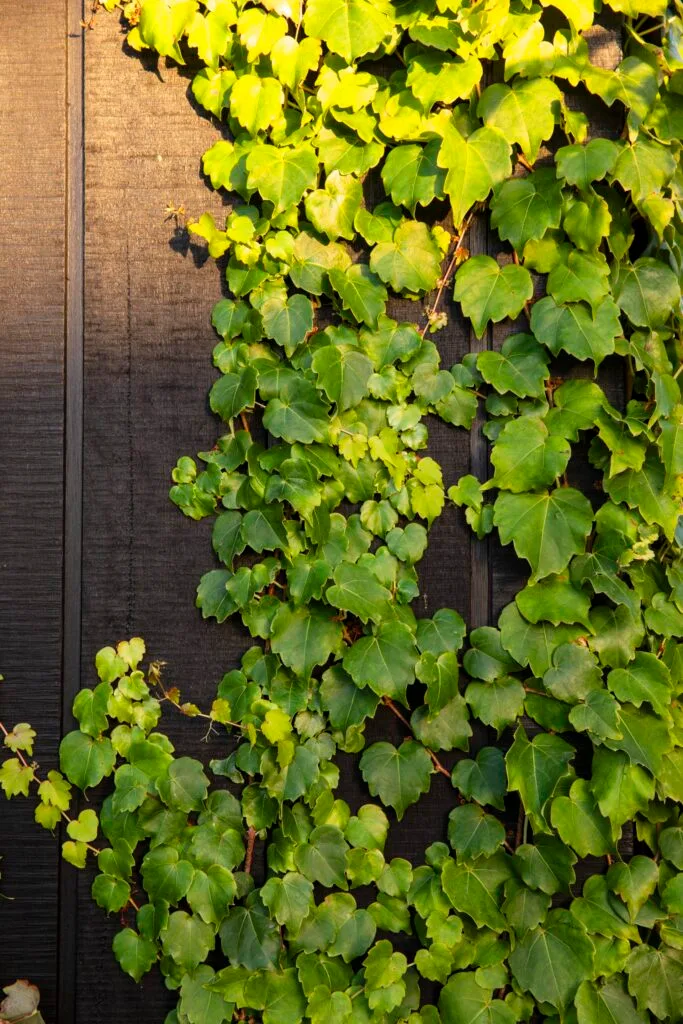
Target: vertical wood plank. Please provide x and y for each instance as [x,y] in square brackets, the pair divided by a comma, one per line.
[148,343]
[32,264]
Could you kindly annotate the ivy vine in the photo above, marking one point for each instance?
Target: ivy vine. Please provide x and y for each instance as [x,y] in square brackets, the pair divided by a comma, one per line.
[319,531]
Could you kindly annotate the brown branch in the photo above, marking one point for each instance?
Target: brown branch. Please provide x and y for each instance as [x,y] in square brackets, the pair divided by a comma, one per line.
[249,857]
[449,270]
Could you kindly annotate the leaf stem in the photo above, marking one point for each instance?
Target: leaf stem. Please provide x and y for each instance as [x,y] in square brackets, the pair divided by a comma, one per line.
[450,269]
[249,856]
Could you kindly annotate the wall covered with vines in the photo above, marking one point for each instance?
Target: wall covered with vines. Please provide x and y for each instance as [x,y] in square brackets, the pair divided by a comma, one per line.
[363,141]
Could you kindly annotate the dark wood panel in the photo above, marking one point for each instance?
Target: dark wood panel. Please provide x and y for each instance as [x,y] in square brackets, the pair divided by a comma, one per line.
[32,195]
[148,342]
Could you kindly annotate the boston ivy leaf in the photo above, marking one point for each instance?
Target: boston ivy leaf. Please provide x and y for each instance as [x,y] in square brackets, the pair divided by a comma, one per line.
[644,167]
[580,165]
[249,938]
[525,113]
[299,413]
[621,789]
[411,175]
[483,779]
[287,320]
[655,979]
[322,858]
[488,292]
[472,833]
[278,995]
[187,940]
[361,292]
[350,28]
[134,954]
[477,889]
[342,373]
[346,703]
[547,865]
[86,760]
[545,528]
[646,678]
[432,79]
[332,209]
[579,277]
[579,822]
[256,102]
[289,898]
[281,174]
[305,637]
[551,961]
[498,703]
[411,261]
[200,1005]
[520,367]
[647,291]
[526,456]
[605,1004]
[213,598]
[464,1001]
[475,164]
[384,661]
[534,769]
[445,728]
[525,208]
[357,590]
[312,259]
[574,328]
[233,392]
[397,775]
[645,490]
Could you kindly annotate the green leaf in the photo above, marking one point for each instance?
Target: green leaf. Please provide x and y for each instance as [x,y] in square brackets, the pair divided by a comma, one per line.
[445,728]
[575,329]
[525,208]
[655,978]
[288,898]
[281,174]
[305,637]
[581,165]
[200,1005]
[288,320]
[184,786]
[350,28]
[521,367]
[606,1004]
[357,590]
[530,644]
[411,261]
[464,1001]
[86,761]
[332,209]
[645,678]
[134,954]
[472,833]
[412,176]
[579,822]
[535,769]
[361,292]
[475,165]
[385,661]
[477,889]
[548,865]
[488,292]
[525,113]
[526,456]
[397,775]
[545,528]
[346,703]
[256,102]
[552,961]
[647,291]
[166,876]
[278,995]
[483,779]
[621,789]
[497,703]
[249,938]
[644,167]
[342,373]
[322,858]
[187,940]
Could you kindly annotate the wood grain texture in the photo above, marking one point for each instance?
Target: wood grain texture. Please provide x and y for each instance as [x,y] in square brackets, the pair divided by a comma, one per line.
[32,196]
